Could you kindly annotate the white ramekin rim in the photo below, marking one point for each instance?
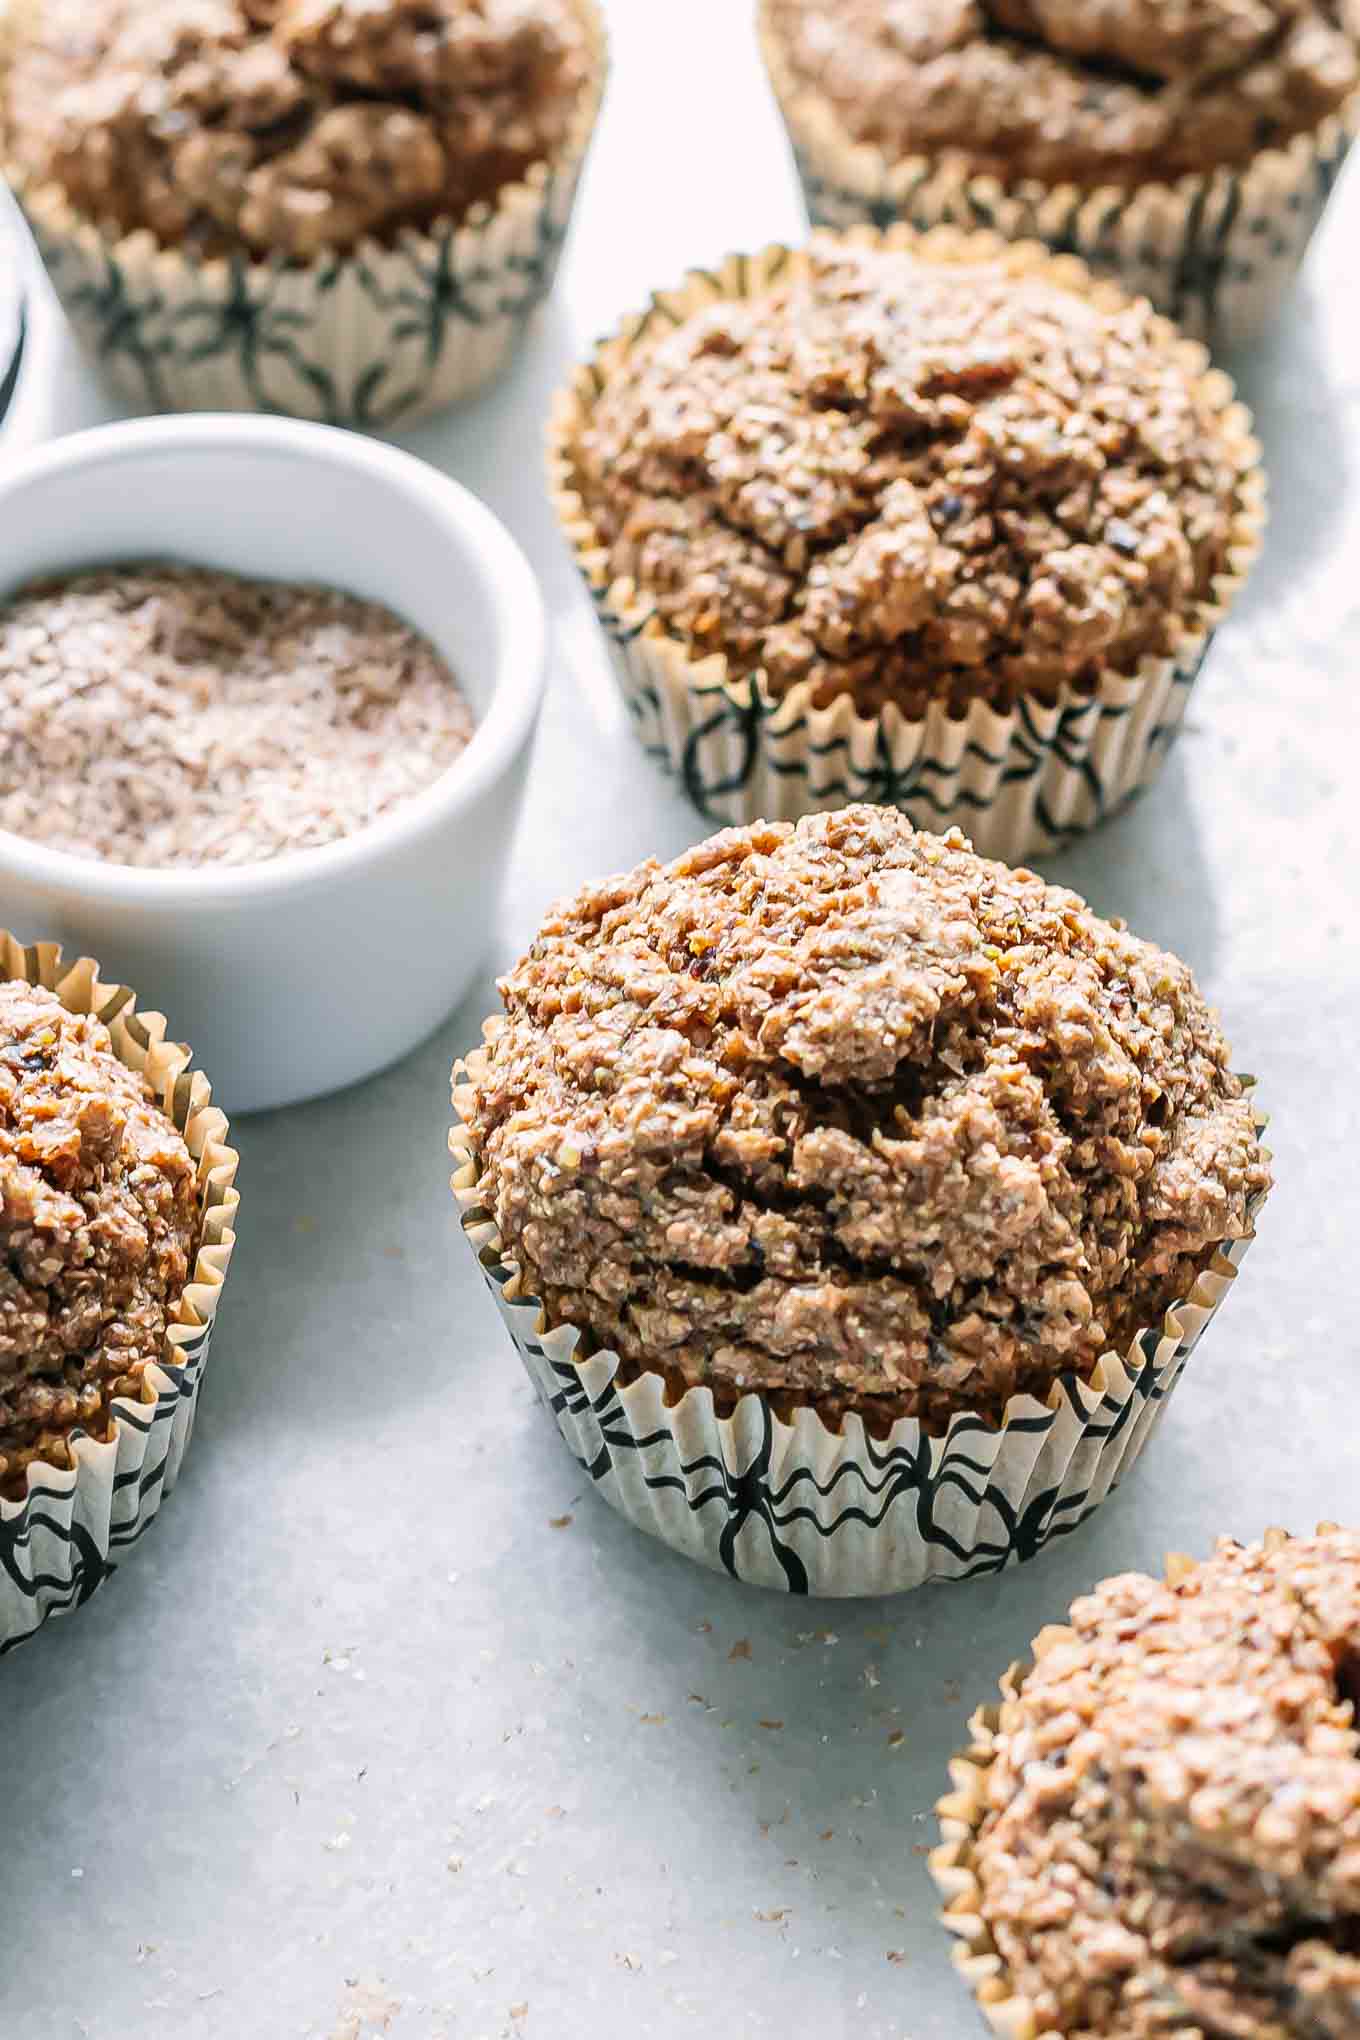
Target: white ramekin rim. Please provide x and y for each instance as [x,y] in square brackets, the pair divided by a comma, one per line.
[500,734]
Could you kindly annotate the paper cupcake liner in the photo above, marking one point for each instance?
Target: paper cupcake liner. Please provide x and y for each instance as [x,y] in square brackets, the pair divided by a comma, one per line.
[1021,782]
[1216,251]
[372,338]
[806,1510]
[73,1524]
[961,1813]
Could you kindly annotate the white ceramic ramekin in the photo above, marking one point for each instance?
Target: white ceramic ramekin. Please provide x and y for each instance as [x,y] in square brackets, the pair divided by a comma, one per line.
[308,971]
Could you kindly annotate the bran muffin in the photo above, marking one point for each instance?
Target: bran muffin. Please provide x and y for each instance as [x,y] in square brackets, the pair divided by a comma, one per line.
[99,1212]
[898,483]
[1157,1835]
[286,130]
[117,1208]
[1186,149]
[381,148]
[844,1118]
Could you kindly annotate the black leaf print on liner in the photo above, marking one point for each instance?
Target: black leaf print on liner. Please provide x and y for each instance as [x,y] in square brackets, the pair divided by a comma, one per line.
[249,326]
[929,791]
[51,1559]
[248,334]
[1235,237]
[119,328]
[909,1487]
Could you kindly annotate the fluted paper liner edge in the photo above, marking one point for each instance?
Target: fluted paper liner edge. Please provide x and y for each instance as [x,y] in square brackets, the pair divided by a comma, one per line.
[1021,783]
[375,337]
[69,1530]
[800,1508]
[1216,250]
[960,1815]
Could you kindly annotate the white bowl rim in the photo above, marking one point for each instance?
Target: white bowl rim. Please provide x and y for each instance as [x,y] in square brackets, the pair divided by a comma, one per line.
[516,693]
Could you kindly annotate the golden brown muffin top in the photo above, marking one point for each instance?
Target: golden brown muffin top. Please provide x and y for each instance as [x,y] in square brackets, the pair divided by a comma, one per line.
[846,1113]
[288,127]
[908,480]
[1171,1848]
[1082,91]
[99,1219]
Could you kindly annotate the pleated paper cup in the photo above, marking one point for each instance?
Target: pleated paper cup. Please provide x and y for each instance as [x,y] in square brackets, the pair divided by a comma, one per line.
[1021,782]
[961,1814]
[82,1512]
[805,1509]
[1217,251]
[375,337]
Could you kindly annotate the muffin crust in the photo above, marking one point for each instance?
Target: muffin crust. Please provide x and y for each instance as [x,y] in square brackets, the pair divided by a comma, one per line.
[1082,91]
[98,1220]
[841,1112]
[288,127]
[1172,1839]
[907,480]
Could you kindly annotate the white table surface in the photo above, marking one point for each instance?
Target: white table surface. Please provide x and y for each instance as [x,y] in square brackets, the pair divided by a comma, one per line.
[357,1744]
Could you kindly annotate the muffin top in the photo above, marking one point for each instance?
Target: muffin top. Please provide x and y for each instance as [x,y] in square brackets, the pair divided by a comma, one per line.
[845,1113]
[1082,91]
[908,480]
[1172,1840]
[98,1225]
[288,127]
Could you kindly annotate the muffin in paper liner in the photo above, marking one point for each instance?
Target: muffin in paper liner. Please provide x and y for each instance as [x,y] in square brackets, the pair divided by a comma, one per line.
[960,1814]
[1217,251]
[61,1539]
[807,1510]
[1021,783]
[374,338]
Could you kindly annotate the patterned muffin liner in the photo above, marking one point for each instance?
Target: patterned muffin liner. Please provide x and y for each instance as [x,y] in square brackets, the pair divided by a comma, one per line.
[961,1813]
[1216,251]
[373,338]
[70,1529]
[807,1510]
[1023,782]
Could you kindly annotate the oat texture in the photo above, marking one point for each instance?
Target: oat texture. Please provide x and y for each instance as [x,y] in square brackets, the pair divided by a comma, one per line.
[98,1223]
[908,481]
[167,716]
[288,127]
[844,1113]
[1081,91]
[1171,1848]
